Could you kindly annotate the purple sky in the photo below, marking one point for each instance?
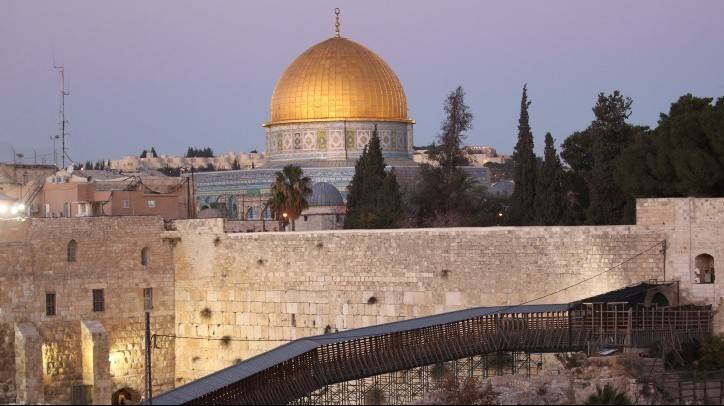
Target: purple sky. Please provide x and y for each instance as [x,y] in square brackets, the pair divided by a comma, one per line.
[171,74]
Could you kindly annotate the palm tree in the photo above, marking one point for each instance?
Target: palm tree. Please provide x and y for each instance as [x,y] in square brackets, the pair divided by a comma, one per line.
[289,193]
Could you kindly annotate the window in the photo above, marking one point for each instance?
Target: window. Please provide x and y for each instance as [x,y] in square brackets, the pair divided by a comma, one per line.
[151,204]
[148,299]
[250,213]
[145,256]
[704,269]
[305,218]
[267,214]
[50,304]
[125,204]
[66,209]
[72,251]
[98,302]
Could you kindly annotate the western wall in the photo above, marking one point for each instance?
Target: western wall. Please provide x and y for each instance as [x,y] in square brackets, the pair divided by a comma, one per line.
[229,296]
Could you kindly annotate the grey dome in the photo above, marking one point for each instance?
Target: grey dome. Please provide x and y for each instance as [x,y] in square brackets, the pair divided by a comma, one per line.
[325,194]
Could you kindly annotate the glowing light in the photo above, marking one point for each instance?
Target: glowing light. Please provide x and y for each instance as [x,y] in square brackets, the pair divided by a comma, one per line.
[3,208]
[14,210]
[21,207]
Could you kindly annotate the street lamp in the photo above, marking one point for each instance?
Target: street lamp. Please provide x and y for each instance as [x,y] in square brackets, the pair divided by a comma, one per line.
[285,215]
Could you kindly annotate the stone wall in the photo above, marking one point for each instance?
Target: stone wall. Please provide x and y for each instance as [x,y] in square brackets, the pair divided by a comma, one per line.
[33,262]
[7,360]
[229,296]
[693,227]
[262,290]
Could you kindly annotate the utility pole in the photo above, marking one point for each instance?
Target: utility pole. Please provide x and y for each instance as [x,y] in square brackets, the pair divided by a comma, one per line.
[61,109]
[149,393]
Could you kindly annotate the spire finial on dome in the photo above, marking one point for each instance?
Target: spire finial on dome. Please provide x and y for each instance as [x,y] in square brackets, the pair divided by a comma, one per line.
[336,24]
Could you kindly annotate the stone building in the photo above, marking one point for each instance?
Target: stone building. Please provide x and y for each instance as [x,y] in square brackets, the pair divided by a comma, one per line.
[82,193]
[478,155]
[246,160]
[326,209]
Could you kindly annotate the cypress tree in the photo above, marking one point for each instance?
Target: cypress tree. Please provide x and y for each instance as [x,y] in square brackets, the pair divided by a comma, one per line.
[447,195]
[373,196]
[522,211]
[610,134]
[549,194]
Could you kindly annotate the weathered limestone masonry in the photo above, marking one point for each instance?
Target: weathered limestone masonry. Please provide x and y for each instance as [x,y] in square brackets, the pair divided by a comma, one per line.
[229,296]
[694,228]
[283,286]
[79,346]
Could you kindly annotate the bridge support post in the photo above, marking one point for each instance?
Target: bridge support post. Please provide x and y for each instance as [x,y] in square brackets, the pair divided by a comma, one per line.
[629,328]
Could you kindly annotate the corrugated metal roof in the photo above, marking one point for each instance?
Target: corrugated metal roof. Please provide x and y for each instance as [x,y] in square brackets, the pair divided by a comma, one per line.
[630,294]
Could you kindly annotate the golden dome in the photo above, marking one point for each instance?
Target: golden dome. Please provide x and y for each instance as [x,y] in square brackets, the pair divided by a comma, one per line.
[338,79]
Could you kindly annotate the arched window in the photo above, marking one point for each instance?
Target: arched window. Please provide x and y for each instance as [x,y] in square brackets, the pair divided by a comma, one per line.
[704,269]
[72,251]
[145,256]
[267,214]
[250,213]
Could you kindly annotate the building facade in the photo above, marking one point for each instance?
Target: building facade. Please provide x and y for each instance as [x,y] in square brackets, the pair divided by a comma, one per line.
[83,193]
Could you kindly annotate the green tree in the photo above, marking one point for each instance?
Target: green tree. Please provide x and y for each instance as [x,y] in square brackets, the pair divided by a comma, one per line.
[447,195]
[609,395]
[448,153]
[550,203]
[610,135]
[153,153]
[289,193]
[522,211]
[682,156]
[373,196]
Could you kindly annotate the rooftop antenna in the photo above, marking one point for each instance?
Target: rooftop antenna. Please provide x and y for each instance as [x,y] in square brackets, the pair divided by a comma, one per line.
[61,109]
[336,24]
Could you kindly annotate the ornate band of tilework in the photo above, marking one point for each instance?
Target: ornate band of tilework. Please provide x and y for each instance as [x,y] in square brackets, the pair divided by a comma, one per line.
[335,140]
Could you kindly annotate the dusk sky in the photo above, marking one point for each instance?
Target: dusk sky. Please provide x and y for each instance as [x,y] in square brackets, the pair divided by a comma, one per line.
[173,74]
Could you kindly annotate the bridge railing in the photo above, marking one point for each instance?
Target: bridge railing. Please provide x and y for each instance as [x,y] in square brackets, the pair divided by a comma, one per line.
[556,331]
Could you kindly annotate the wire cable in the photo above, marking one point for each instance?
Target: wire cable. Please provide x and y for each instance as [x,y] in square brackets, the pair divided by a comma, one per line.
[353,336]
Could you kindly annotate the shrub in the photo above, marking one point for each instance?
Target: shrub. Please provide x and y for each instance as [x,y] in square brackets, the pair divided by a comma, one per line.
[609,395]
[226,341]
[570,360]
[712,353]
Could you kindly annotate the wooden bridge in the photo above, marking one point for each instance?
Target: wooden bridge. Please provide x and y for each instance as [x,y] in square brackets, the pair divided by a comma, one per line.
[295,370]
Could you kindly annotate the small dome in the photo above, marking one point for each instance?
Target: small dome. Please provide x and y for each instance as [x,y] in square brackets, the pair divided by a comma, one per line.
[325,194]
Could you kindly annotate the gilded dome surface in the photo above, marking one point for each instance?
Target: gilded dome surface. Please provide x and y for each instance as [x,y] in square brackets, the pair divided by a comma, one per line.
[338,79]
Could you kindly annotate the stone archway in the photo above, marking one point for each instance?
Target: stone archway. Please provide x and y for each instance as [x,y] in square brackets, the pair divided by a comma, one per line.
[704,268]
[125,396]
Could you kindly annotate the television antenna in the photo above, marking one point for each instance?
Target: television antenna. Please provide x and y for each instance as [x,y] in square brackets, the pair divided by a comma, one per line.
[62,122]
